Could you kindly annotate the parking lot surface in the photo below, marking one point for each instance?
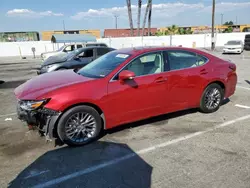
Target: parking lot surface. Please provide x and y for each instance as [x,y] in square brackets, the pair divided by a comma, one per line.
[182,149]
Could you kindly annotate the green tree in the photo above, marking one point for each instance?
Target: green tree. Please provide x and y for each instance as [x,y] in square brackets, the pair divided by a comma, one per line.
[229,23]
[228,30]
[173,30]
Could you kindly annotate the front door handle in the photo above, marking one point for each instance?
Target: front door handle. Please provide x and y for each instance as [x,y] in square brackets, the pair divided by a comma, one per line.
[160,80]
[203,71]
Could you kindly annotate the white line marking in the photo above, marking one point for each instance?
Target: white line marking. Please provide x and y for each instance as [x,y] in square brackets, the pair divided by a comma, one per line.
[247,88]
[33,174]
[143,151]
[242,106]
[12,114]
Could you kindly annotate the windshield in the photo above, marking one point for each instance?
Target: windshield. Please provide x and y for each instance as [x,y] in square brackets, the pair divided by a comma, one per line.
[60,49]
[103,65]
[72,54]
[233,42]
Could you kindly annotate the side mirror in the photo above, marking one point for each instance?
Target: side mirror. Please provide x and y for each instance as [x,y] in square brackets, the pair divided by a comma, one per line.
[77,58]
[126,75]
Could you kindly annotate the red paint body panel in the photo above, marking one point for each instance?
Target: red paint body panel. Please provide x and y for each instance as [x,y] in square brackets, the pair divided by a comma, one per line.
[143,97]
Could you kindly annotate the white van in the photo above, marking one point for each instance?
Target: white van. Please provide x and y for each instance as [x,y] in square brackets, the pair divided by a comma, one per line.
[69,48]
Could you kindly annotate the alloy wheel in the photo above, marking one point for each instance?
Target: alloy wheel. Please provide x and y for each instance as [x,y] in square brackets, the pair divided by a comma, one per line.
[212,98]
[80,127]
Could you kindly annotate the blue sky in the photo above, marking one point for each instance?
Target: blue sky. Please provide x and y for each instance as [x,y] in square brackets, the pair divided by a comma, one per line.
[32,15]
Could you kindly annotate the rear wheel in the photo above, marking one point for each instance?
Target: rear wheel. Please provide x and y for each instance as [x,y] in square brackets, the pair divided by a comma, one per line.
[79,126]
[211,98]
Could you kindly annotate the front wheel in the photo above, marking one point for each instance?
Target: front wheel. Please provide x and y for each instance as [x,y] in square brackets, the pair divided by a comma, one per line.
[211,98]
[79,125]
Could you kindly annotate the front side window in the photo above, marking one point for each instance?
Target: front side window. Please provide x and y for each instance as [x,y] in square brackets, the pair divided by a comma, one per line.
[183,59]
[147,64]
[69,48]
[88,53]
[102,51]
[103,65]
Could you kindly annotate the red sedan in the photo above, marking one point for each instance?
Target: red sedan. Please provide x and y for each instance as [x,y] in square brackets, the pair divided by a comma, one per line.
[124,86]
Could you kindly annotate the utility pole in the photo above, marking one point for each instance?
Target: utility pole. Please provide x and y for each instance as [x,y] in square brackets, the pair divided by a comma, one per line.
[116,16]
[213,41]
[236,21]
[63,26]
[221,19]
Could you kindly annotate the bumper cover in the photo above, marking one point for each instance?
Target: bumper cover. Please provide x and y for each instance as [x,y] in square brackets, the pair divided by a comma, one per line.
[226,50]
[45,119]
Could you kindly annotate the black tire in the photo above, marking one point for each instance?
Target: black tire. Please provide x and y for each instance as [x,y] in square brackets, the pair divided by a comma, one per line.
[247,40]
[203,106]
[69,113]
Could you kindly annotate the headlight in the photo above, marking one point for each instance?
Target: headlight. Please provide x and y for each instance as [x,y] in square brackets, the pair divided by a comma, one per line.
[48,66]
[32,105]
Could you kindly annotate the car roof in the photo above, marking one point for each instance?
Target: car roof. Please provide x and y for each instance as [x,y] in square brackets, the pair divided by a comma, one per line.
[145,49]
[94,47]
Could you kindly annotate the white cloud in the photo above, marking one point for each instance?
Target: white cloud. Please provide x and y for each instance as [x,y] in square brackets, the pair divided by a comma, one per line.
[226,6]
[30,13]
[164,9]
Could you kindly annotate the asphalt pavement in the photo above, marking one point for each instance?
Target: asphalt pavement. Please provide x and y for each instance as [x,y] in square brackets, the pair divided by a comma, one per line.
[182,149]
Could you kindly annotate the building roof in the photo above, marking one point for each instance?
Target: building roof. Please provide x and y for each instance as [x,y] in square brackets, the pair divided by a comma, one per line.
[66,38]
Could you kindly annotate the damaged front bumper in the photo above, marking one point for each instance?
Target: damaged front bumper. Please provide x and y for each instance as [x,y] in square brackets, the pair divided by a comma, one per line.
[43,118]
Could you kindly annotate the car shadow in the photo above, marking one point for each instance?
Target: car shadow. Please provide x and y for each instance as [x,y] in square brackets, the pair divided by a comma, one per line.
[11,84]
[100,164]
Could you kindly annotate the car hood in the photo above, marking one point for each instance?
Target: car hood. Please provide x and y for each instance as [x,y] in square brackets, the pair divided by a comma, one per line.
[42,84]
[232,46]
[54,59]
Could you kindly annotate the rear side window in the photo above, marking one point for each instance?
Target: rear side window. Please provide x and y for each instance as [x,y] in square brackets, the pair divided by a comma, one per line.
[102,51]
[103,45]
[178,60]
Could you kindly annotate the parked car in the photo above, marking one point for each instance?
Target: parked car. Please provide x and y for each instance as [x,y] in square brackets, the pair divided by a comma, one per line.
[247,42]
[233,46]
[123,86]
[69,48]
[73,60]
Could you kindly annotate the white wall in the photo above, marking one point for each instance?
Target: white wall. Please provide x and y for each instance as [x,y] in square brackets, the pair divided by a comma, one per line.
[201,41]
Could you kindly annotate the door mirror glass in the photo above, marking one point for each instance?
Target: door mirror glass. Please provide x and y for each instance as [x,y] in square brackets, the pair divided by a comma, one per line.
[126,75]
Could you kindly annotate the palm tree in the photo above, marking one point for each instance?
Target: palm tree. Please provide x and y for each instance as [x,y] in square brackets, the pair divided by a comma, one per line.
[145,17]
[130,18]
[172,30]
[149,17]
[139,17]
